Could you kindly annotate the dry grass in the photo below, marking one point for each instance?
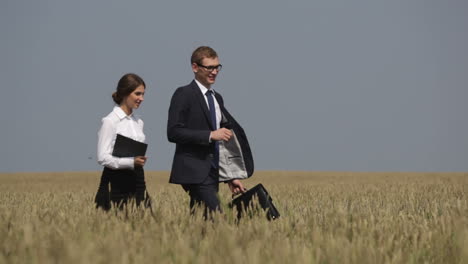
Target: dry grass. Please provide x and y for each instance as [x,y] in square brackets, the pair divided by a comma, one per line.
[327,217]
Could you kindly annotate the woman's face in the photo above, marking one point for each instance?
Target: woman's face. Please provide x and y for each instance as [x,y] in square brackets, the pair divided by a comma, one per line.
[134,100]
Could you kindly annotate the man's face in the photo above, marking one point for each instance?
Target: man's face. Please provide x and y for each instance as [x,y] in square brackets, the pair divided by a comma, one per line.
[207,71]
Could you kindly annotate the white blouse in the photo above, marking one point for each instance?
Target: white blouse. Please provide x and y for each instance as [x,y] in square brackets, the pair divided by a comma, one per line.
[117,122]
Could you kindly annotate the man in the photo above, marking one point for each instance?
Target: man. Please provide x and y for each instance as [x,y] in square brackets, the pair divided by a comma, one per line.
[210,145]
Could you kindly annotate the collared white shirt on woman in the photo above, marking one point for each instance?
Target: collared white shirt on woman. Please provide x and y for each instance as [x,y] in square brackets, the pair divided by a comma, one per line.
[117,122]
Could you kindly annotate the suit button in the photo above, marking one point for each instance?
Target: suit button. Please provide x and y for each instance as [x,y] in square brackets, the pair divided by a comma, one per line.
[211,156]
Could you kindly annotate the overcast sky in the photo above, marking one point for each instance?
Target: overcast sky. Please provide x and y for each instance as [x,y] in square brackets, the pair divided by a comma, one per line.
[329,85]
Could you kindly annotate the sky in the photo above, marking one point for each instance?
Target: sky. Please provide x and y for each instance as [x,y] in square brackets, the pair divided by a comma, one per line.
[328,85]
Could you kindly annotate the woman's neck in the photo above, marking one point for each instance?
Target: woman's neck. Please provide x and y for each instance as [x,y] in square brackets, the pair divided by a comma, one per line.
[126,109]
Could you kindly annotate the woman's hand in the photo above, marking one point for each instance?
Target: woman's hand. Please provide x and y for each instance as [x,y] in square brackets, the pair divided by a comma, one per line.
[140,161]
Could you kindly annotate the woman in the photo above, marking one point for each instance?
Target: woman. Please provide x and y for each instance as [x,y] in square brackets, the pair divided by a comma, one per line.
[125,175]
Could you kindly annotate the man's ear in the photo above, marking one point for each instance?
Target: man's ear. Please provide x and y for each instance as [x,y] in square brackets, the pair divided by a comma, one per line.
[194,67]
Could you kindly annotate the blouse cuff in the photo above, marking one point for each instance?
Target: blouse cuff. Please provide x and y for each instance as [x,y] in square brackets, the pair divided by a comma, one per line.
[127,163]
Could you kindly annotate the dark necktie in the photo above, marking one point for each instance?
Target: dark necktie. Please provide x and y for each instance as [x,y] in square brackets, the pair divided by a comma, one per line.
[209,95]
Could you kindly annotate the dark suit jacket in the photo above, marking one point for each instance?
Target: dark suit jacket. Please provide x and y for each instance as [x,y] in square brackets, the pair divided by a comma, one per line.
[189,127]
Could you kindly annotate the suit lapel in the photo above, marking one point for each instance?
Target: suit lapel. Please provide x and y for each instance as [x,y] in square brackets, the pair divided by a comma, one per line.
[201,100]
[224,121]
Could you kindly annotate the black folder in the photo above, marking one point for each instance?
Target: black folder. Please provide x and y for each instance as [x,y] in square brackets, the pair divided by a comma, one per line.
[127,147]
[245,203]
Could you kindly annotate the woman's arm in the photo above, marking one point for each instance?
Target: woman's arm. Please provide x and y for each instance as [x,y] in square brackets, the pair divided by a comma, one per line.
[106,137]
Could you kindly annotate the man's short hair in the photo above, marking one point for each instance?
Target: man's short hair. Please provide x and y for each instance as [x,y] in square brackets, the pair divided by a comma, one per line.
[202,52]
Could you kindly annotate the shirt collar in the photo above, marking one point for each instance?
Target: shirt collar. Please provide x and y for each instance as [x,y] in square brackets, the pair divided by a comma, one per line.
[120,113]
[203,89]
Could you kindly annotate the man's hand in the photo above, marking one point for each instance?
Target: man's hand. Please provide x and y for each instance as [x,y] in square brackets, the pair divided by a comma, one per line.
[221,134]
[236,187]
[140,161]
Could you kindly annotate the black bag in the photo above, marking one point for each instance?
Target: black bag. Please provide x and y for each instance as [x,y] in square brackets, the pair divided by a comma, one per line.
[244,203]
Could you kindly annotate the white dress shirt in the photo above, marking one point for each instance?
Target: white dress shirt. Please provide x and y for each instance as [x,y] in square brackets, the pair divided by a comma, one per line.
[203,89]
[117,122]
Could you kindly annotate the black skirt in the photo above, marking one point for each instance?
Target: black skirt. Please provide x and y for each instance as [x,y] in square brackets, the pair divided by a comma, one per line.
[125,185]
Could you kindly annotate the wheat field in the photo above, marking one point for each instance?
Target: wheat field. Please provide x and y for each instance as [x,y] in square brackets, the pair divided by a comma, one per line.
[326,217]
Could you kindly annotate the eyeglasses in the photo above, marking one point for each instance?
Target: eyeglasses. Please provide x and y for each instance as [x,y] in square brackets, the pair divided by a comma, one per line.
[211,68]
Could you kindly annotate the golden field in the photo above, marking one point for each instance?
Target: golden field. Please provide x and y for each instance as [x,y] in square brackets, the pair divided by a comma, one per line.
[326,217]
